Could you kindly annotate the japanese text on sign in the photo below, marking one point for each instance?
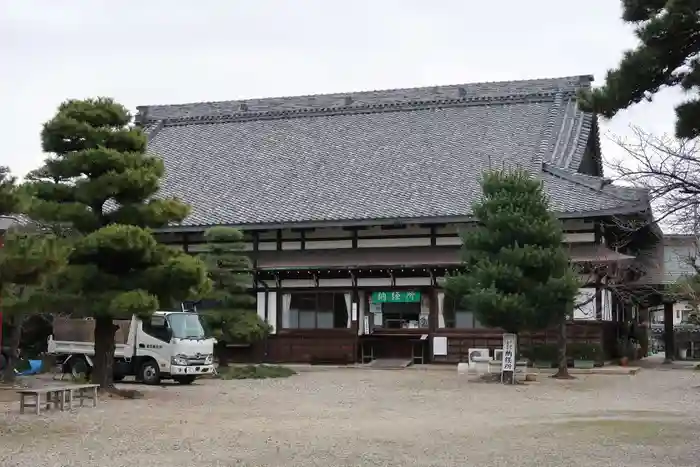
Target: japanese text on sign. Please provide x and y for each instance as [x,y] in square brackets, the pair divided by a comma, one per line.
[403,296]
[508,362]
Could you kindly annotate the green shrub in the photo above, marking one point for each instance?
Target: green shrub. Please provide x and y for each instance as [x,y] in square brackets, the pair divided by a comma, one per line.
[541,353]
[581,351]
[256,372]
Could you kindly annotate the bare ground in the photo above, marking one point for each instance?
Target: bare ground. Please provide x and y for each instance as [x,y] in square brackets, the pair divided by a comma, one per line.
[370,417]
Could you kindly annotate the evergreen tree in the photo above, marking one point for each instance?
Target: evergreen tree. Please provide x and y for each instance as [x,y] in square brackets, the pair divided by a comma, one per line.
[100,183]
[667,55]
[10,204]
[10,194]
[517,273]
[27,261]
[231,318]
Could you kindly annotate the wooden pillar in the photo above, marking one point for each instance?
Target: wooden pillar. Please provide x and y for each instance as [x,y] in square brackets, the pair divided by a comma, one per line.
[669,337]
[598,297]
[185,243]
[598,235]
[355,323]
[644,325]
[266,348]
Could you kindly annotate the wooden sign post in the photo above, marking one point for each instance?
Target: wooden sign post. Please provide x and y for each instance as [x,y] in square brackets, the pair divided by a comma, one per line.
[510,343]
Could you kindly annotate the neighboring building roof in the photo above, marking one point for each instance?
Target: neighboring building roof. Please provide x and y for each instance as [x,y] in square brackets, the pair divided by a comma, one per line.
[9,221]
[6,222]
[404,154]
[596,253]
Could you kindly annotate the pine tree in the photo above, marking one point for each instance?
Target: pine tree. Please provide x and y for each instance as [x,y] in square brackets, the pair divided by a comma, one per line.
[27,261]
[10,194]
[231,318]
[517,273]
[666,56]
[100,183]
[10,204]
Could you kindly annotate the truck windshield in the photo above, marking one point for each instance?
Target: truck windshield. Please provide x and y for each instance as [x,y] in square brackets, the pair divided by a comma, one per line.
[186,325]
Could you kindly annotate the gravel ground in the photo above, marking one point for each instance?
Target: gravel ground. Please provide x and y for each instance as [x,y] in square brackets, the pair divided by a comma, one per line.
[373,418]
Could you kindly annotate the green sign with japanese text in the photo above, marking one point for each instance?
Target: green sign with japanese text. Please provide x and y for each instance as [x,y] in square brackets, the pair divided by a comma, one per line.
[403,296]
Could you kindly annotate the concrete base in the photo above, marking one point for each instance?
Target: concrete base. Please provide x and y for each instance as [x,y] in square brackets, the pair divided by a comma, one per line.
[605,370]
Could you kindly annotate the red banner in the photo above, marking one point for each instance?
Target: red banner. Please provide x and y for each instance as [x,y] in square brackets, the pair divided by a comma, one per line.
[2,243]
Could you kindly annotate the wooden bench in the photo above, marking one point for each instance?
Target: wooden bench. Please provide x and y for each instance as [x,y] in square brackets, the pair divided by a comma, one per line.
[60,396]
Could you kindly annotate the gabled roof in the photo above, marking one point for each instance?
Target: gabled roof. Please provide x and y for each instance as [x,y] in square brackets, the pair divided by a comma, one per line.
[389,155]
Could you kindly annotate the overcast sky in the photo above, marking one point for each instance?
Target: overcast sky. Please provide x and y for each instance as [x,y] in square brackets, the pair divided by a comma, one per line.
[165,52]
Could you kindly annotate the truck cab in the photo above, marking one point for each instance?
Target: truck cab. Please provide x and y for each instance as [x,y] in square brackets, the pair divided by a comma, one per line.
[175,342]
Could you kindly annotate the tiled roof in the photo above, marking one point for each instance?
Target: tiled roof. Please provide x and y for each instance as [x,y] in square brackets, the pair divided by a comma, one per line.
[396,154]
[407,257]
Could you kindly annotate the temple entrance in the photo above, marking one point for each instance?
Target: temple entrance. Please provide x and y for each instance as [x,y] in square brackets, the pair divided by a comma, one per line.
[398,328]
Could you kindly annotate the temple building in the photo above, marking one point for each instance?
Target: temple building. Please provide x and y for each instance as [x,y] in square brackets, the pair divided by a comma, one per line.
[352,204]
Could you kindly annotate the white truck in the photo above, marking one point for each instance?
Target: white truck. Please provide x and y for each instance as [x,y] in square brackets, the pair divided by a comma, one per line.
[169,345]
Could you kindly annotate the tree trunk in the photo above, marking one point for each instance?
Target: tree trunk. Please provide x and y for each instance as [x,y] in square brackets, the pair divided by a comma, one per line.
[220,351]
[563,368]
[103,369]
[9,375]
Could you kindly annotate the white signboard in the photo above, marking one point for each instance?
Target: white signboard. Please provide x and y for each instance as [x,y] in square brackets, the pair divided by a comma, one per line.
[509,346]
[378,320]
[366,325]
[439,345]
[584,306]
[354,311]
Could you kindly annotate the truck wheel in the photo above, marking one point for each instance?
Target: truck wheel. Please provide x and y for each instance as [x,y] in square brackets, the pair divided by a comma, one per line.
[185,379]
[150,373]
[78,368]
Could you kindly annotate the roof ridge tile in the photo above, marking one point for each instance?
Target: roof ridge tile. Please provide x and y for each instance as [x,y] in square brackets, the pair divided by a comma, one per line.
[479,90]
[368,108]
[546,143]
